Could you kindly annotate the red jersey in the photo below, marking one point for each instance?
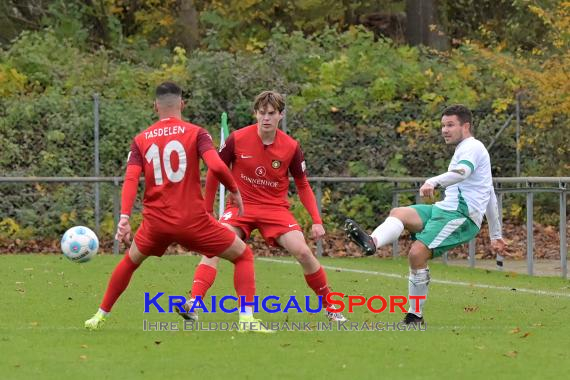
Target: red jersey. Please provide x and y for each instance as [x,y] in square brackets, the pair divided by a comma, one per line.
[262,171]
[169,152]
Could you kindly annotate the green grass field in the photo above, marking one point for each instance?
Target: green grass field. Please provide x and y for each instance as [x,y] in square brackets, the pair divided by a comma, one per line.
[472,332]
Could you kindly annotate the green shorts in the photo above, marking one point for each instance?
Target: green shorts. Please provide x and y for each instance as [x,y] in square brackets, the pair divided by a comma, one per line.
[443,229]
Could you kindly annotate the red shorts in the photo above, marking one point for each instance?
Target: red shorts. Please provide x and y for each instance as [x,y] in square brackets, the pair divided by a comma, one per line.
[271,222]
[204,235]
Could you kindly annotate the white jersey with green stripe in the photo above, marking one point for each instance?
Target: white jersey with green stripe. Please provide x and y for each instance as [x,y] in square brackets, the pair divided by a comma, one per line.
[471,195]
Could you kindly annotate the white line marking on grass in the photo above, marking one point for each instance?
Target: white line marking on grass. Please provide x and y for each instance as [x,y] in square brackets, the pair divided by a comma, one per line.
[445,282]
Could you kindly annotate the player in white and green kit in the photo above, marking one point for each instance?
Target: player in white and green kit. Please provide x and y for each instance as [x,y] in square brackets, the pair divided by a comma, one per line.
[469,194]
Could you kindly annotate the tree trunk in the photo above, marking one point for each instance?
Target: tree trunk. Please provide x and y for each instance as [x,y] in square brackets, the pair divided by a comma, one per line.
[187,25]
[19,15]
[98,18]
[422,26]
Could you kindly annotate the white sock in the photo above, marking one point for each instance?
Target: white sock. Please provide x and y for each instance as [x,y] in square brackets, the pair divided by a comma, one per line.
[103,312]
[418,286]
[247,313]
[387,232]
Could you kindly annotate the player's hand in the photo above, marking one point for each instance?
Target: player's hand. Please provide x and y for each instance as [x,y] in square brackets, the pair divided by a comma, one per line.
[498,245]
[317,232]
[123,230]
[235,199]
[427,190]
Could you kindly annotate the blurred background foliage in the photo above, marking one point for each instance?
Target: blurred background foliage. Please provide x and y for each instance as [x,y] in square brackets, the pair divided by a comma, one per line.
[364,86]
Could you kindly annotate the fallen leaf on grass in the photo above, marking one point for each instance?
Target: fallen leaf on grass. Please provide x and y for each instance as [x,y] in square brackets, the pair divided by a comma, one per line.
[516,330]
[511,354]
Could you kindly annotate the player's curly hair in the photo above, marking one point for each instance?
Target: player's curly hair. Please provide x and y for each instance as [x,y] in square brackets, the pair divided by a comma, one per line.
[272,98]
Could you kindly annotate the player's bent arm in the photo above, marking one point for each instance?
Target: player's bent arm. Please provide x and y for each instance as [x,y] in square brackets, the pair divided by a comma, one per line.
[492,214]
[211,190]
[128,197]
[460,173]
[219,169]
[307,198]
[130,187]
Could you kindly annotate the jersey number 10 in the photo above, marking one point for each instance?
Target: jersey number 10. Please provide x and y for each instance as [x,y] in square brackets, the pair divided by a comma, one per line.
[153,156]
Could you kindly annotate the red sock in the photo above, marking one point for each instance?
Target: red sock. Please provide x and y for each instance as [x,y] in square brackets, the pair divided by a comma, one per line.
[318,282]
[203,280]
[244,275]
[119,281]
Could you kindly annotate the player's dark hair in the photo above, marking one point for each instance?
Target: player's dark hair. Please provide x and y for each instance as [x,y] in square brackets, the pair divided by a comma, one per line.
[272,98]
[168,88]
[463,113]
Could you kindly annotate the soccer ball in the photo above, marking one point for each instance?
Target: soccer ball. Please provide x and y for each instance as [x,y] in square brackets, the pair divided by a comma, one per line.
[79,244]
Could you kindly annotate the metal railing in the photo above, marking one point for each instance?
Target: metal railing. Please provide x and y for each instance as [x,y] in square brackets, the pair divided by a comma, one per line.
[529,188]
[524,185]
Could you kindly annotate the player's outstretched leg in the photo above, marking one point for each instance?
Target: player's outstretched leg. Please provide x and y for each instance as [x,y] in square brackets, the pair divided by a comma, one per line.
[204,278]
[186,311]
[248,323]
[97,321]
[315,275]
[360,237]
[118,282]
[319,283]
[244,282]
[335,316]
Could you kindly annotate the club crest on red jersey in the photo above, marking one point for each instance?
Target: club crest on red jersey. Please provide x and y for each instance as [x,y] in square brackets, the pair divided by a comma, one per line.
[260,171]
[276,164]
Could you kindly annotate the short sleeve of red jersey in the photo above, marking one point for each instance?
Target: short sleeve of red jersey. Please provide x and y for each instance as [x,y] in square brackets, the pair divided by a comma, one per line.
[227,150]
[297,166]
[135,155]
[204,142]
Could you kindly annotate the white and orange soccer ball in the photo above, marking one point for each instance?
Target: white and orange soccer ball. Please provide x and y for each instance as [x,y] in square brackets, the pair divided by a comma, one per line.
[79,244]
